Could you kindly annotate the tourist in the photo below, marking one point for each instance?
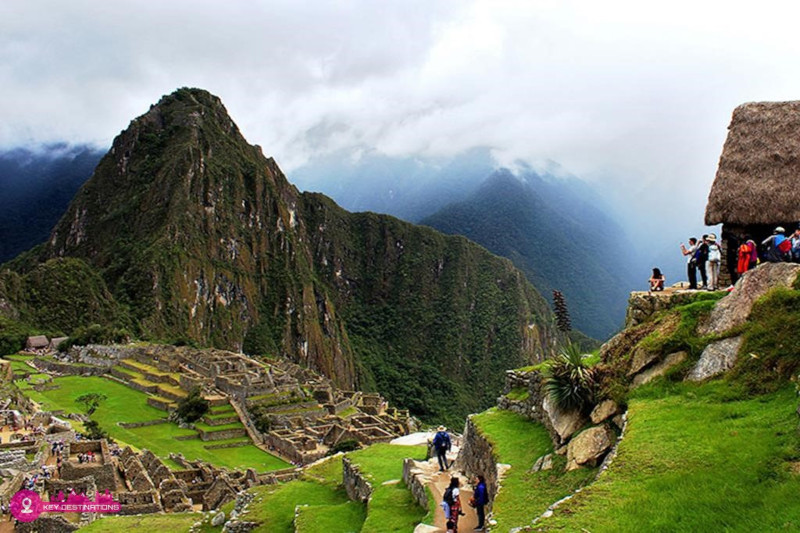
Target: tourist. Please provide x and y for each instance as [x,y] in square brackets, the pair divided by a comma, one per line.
[452,503]
[701,258]
[776,249]
[712,265]
[796,245]
[691,262]
[657,280]
[745,253]
[442,445]
[480,498]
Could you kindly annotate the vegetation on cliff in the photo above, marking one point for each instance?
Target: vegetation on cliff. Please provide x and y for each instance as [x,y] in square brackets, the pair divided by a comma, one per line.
[186,232]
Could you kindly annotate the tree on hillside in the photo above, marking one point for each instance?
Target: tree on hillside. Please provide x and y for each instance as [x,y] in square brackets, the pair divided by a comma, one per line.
[193,407]
[91,401]
[563,323]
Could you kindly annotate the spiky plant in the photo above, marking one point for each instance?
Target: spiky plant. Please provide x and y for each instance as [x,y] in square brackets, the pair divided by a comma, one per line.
[569,382]
[561,311]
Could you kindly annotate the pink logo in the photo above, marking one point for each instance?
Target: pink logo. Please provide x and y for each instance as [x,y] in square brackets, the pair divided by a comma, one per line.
[26,506]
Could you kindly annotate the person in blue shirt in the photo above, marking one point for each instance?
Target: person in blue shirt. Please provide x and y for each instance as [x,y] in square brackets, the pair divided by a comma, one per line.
[442,444]
[481,496]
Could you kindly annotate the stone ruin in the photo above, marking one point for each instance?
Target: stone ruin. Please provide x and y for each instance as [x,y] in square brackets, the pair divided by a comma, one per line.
[101,469]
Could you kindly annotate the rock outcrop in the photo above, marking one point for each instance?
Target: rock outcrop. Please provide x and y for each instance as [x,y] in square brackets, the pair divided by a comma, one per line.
[716,358]
[589,447]
[733,310]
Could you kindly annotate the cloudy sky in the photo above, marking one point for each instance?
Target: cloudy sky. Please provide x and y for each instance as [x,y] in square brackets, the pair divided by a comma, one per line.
[633,95]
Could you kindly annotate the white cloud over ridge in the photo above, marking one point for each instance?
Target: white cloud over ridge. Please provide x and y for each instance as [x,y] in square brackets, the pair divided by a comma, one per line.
[630,94]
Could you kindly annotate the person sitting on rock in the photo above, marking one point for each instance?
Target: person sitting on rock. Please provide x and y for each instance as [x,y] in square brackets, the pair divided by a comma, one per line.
[657,280]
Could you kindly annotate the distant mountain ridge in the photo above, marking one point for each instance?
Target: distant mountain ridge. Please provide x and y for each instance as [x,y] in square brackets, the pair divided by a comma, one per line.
[553,231]
[36,186]
[197,236]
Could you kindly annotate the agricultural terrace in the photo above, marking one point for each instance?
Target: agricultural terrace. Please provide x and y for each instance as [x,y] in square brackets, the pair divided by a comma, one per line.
[126,405]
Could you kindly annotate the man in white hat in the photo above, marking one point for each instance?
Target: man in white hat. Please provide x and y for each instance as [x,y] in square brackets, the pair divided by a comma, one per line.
[442,444]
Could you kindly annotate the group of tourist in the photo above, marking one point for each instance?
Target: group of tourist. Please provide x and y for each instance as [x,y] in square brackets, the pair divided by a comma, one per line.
[451,500]
[88,457]
[705,256]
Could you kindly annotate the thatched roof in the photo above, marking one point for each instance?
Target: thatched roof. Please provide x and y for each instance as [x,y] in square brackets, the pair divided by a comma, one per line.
[36,342]
[758,179]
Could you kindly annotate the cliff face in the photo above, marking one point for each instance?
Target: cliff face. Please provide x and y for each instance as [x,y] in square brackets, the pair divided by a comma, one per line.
[199,236]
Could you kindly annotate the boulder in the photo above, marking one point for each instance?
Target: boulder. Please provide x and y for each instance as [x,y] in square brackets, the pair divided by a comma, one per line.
[563,423]
[619,421]
[603,411]
[544,462]
[734,309]
[218,519]
[716,358]
[660,369]
[641,358]
[589,447]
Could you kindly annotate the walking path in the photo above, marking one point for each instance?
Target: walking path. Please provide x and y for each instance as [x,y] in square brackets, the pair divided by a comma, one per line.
[438,483]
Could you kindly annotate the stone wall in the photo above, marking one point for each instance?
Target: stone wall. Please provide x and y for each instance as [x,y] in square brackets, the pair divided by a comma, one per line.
[415,480]
[46,524]
[642,305]
[69,368]
[476,457]
[222,435]
[355,484]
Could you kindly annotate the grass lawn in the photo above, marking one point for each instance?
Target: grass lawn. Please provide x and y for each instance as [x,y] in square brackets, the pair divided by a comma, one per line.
[128,405]
[697,458]
[519,442]
[391,507]
[152,522]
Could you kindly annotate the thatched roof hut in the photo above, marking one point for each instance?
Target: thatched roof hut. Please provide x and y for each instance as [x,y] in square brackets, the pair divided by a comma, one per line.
[758,179]
[36,342]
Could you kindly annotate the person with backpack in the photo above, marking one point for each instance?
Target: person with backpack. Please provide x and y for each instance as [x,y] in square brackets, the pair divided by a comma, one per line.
[442,445]
[777,247]
[713,263]
[480,498]
[451,503]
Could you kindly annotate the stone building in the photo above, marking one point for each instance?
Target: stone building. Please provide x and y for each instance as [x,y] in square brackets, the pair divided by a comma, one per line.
[756,186]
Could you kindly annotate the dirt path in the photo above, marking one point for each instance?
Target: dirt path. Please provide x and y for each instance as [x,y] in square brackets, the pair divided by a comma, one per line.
[439,481]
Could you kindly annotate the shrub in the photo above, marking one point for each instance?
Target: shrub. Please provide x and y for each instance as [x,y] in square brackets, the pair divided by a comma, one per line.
[193,407]
[347,445]
[569,382]
[94,431]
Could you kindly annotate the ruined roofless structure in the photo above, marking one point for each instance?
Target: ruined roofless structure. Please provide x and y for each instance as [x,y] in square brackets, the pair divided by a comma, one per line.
[758,179]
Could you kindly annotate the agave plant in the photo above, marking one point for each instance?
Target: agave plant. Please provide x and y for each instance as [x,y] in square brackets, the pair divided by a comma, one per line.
[568,381]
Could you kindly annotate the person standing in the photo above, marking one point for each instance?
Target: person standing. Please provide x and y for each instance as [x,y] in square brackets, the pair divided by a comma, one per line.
[701,258]
[481,496]
[442,445]
[691,262]
[713,263]
[453,503]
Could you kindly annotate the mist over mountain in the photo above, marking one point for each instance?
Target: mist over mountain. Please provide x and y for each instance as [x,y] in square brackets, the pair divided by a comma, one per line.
[36,185]
[555,227]
[410,188]
[553,230]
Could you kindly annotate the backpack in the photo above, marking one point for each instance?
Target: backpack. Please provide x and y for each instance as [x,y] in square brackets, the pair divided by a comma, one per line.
[448,496]
[701,254]
[785,246]
[441,440]
[714,255]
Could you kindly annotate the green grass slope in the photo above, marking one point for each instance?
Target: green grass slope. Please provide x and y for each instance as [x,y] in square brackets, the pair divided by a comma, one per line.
[696,458]
[525,495]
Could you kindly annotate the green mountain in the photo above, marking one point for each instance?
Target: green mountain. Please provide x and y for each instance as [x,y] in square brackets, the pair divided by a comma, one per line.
[197,236]
[554,232]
